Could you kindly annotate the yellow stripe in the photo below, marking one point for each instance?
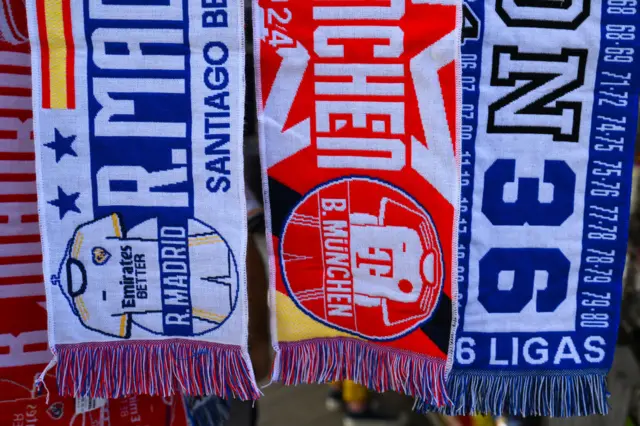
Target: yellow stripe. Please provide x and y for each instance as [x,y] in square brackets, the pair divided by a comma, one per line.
[204,241]
[294,325]
[57,53]
[208,315]
[77,244]
[82,308]
[208,237]
[123,325]
[116,225]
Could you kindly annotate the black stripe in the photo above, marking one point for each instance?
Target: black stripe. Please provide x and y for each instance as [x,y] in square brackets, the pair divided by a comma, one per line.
[438,328]
[282,200]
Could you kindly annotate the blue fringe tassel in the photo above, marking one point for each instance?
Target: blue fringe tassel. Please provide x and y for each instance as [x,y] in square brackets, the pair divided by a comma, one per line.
[535,394]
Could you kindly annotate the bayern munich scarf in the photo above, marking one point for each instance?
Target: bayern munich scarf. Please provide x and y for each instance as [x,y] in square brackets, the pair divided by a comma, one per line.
[359,143]
[138,115]
[549,122]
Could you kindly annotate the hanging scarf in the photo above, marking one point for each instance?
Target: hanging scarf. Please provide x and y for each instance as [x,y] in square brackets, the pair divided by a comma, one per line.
[23,318]
[358,119]
[138,120]
[550,113]
[23,321]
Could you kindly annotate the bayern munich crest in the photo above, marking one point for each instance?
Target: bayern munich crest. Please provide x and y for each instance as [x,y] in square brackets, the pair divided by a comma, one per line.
[372,253]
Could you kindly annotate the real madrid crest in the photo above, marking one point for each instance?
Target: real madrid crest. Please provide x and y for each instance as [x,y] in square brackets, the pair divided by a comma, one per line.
[100,255]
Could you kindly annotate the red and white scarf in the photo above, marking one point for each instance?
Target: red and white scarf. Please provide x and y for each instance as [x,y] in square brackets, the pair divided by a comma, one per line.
[23,318]
[358,108]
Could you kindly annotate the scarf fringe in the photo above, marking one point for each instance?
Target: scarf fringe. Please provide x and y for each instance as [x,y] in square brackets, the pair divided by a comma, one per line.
[120,369]
[379,368]
[524,395]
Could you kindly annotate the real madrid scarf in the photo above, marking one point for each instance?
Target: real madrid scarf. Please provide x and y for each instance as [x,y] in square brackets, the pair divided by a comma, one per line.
[549,122]
[138,110]
[359,142]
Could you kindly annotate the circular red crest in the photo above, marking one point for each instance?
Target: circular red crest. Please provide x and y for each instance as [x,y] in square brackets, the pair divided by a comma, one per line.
[362,256]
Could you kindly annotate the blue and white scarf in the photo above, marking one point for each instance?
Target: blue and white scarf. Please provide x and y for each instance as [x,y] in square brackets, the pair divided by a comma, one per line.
[138,112]
[549,119]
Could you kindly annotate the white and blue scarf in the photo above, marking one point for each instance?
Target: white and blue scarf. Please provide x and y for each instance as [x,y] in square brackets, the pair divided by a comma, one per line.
[549,120]
[138,112]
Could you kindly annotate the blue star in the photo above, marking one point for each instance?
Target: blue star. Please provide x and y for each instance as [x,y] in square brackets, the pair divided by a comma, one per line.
[65,203]
[62,145]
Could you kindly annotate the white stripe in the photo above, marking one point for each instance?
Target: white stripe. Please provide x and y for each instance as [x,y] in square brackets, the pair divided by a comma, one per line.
[439,2]
[306,222]
[18,188]
[16,102]
[310,297]
[20,270]
[21,290]
[23,249]
[276,110]
[16,167]
[15,59]
[313,290]
[15,211]
[15,81]
[424,70]
[288,257]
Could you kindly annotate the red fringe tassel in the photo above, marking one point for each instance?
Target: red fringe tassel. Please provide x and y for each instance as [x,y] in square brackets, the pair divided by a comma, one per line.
[377,367]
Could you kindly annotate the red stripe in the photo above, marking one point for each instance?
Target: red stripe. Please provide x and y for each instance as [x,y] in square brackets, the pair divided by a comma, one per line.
[68,36]
[20,239]
[8,134]
[21,114]
[44,54]
[16,156]
[15,91]
[20,260]
[27,279]
[18,198]
[29,218]
[8,19]
[33,347]
[14,69]
[25,218]
[17,177]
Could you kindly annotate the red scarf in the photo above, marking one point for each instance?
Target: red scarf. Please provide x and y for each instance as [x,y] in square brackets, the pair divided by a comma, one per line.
[23,318]
[359,138]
